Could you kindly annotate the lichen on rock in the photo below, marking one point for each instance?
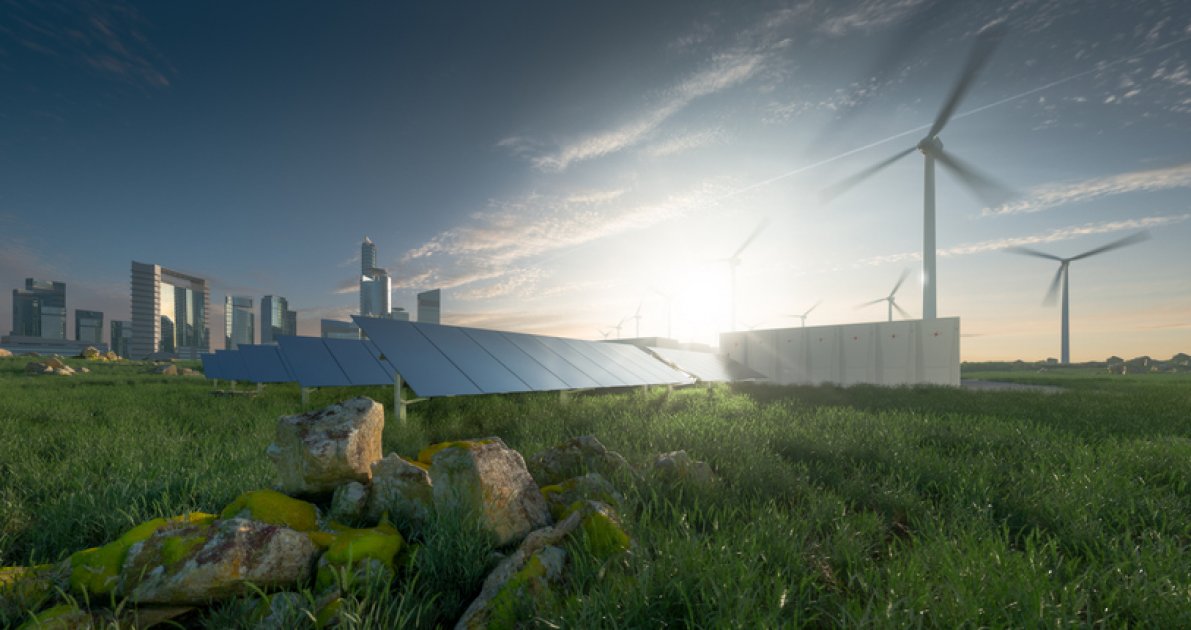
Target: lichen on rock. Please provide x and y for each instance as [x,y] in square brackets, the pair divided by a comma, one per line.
[270,506]
[318,451]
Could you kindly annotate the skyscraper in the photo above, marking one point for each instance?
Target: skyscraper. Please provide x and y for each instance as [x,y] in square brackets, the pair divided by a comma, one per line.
[88,326]
[376,287]
[367,256]
[169,312]
[238,321]
[39,310]
[121,337]
[430,306]
[276,318]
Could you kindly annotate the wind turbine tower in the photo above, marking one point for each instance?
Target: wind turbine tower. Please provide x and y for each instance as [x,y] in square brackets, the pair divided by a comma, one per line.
[1061,277]
[734,261]
[988,190]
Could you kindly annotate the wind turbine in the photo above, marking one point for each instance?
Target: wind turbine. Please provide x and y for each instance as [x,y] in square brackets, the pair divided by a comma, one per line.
[1061,276]
[618,326]
[808,312]
[734,260]
[604,332]
[637,316]
[889,298]
[987,189]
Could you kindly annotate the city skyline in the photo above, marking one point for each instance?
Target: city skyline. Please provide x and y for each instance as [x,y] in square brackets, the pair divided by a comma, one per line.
[558,193]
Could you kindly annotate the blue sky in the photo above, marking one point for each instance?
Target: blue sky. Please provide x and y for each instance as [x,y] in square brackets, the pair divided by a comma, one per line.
[554,166]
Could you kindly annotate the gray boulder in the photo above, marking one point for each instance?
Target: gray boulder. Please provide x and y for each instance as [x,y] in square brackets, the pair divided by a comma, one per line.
[403,489]
[677,466]
[349,500]
[487,479]
[194,564]
[590,487]
[318,451]
[573,458]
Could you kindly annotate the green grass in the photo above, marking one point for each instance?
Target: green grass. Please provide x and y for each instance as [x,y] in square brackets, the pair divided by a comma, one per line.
[838,506]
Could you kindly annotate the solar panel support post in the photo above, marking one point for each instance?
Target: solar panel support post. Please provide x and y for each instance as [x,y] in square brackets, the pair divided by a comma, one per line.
[260,387]
[233,382]
[306,395]
[399,403]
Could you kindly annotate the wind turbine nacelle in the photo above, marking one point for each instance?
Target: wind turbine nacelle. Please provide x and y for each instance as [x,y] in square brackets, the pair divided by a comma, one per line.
[930,145]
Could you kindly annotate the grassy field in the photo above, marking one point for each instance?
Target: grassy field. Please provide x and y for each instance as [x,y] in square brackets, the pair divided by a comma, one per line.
[838,507]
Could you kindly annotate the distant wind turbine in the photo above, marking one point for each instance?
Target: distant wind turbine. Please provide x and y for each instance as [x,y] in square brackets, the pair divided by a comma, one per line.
[987,189]
[1061,276]
[889,298]
[637,316]
[808,312]
[618,326]
[604,332]
[734,260]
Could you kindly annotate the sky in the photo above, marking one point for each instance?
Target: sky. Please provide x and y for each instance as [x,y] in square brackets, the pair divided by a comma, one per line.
[559,167]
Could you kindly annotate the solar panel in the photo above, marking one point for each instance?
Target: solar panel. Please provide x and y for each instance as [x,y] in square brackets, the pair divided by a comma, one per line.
[420,363]
[265,364]
[311,363]
[707,367]
[533,374]
[211,366]
[441,360]
[358,363]
[476,363]
[233,365]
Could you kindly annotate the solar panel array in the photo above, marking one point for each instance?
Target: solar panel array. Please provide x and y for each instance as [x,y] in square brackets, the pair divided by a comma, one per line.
[707,367]
[437,360]
[319,362]
[265,364]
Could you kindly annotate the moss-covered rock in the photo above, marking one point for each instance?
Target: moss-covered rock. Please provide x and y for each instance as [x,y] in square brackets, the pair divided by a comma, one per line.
[402,489]
[28,588]
[97,570]
[359,551]
[319,451]
[573,458]
[592,486]
[270,506]
[61,617]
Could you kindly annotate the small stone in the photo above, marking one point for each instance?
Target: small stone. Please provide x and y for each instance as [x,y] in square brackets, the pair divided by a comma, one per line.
[349,499]
[168,369]
[402,489]
[592,486]
[319,451]
[573,458]
[5,353]
[678,466]
[54,362]
[90,352]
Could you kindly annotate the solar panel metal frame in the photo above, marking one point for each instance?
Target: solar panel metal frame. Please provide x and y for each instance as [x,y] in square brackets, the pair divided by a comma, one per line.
[311,362]
[234,368]
[466,361]
[359,363]
[265,364]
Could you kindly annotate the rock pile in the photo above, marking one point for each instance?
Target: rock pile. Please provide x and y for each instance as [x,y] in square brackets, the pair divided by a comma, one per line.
[52,365]
[5,353]
[278,540]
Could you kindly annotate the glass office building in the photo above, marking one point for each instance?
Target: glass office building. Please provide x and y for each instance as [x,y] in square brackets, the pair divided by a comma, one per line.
[169,313]
[276,318]
[39,310]
[430,306]
[238,321]
[335,329]
[88,326]
[121,337]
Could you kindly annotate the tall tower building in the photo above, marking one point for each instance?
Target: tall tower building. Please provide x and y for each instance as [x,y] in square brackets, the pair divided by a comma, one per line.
[88,326]
[430,306]
[238,321]
[276,319]
[367,256]
[169,312]
[121,337]
[376,287]
[39,310]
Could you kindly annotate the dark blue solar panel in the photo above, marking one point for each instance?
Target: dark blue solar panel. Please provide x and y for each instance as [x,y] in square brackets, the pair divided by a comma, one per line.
[420,363]
[311,363]
[708,367]
[558,366]
[211,366]
[265,364]
[473,360]
[643,367]
[358,363]
[234,368]
[532,373]
[588,366]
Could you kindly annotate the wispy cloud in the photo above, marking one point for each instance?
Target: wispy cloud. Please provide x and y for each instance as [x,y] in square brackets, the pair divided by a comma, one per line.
[725,71]
[350,285]
[868,15]
[1053,195]
[107,37]
[1053,236]
[496,252]
[684,142]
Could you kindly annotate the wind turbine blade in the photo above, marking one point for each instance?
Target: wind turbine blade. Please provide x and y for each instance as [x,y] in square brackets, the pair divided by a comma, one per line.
[1026,251]
[808,311]
[835,190]
[1117,244]
[901,310]
[905,272]
[638,312]
[748,241]
[1052,293]
[986,44]
[877,301]
[987,189]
